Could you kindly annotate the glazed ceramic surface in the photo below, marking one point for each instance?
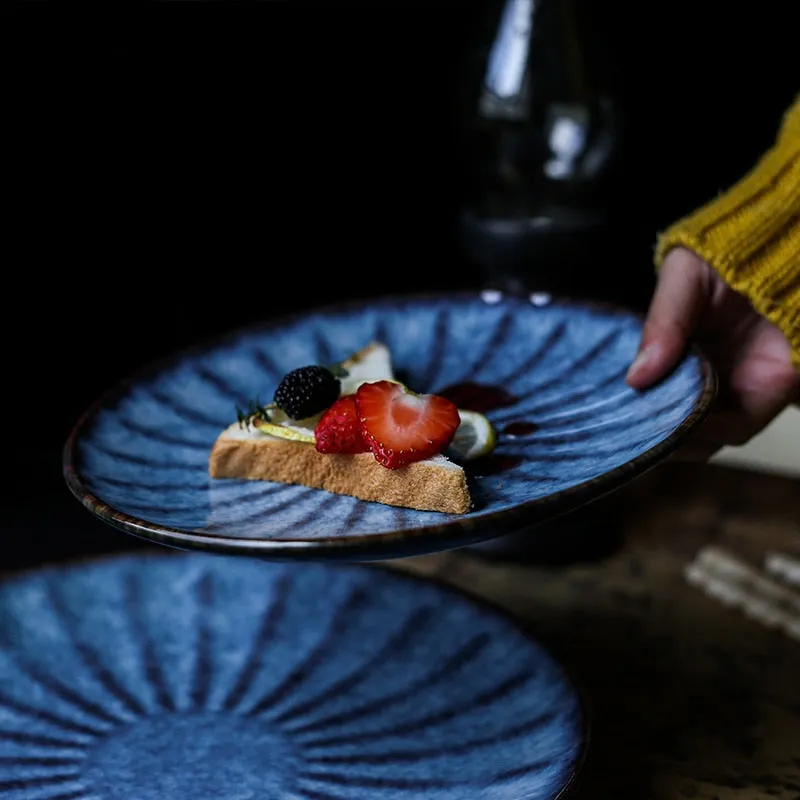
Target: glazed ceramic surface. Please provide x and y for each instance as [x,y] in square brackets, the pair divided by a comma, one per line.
[549,375]
[201,676]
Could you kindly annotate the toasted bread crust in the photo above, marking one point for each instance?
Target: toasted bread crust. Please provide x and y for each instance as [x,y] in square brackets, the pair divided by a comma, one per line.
[423,485]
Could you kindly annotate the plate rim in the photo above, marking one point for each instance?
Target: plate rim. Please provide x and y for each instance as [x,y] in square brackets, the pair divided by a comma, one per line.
[462,594]
[455,532]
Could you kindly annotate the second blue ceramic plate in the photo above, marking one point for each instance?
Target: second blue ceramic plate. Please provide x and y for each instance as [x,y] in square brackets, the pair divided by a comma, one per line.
[550,376]
[194,677]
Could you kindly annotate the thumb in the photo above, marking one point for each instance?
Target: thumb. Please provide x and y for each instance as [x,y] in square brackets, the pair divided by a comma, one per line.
[678,302]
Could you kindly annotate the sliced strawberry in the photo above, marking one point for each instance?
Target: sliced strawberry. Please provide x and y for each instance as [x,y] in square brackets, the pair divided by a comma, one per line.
[338,430]
[400,426]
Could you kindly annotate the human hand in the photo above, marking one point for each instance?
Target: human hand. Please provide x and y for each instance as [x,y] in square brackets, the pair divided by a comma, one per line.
[751,356]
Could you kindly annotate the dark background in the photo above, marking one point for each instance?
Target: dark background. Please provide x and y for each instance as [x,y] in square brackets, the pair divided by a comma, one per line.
[181,169]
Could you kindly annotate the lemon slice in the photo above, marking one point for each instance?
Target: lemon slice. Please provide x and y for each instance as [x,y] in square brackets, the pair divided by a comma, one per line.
[475,436]
[295,433]
[282,427]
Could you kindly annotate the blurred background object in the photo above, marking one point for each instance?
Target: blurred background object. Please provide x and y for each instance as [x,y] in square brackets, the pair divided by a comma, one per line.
[542,133]
[197,167]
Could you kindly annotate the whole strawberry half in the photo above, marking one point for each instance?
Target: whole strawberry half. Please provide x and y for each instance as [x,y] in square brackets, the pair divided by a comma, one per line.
[401,426]
[339,430]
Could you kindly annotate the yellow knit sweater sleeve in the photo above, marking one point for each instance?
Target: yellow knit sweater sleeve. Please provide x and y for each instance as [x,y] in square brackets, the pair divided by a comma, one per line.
[750,234]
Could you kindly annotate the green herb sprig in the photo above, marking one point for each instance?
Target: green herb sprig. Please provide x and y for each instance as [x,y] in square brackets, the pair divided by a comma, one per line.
[255,410]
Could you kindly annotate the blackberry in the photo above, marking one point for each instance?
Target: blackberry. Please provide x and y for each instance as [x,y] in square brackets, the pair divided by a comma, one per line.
[307,391]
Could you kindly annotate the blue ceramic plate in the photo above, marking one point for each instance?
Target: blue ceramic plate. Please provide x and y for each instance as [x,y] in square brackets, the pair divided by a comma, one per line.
[549,375]
[197,676]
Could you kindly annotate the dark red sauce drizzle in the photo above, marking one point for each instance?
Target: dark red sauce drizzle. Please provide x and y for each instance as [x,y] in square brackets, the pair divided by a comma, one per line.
[521,428]
[481,397]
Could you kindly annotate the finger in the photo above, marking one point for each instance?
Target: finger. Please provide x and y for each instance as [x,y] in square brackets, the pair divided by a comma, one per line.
[678,301]
[762,390]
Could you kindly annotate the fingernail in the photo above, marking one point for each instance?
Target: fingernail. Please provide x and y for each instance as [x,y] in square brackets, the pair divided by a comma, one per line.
[642,357]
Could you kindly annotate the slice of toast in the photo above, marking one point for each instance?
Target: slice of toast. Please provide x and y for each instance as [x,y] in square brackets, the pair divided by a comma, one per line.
[433,484]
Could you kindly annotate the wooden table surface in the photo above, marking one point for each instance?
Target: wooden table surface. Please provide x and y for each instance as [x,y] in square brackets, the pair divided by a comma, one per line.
[688,698]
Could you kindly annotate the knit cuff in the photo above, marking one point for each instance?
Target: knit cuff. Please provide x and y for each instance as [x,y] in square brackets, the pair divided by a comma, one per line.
[750,234]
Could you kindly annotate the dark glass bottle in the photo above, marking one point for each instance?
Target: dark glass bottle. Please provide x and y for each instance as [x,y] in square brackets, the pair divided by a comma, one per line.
[541,135]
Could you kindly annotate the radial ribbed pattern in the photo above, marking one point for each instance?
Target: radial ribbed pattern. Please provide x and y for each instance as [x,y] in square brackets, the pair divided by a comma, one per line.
[202,676]
[571,425]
